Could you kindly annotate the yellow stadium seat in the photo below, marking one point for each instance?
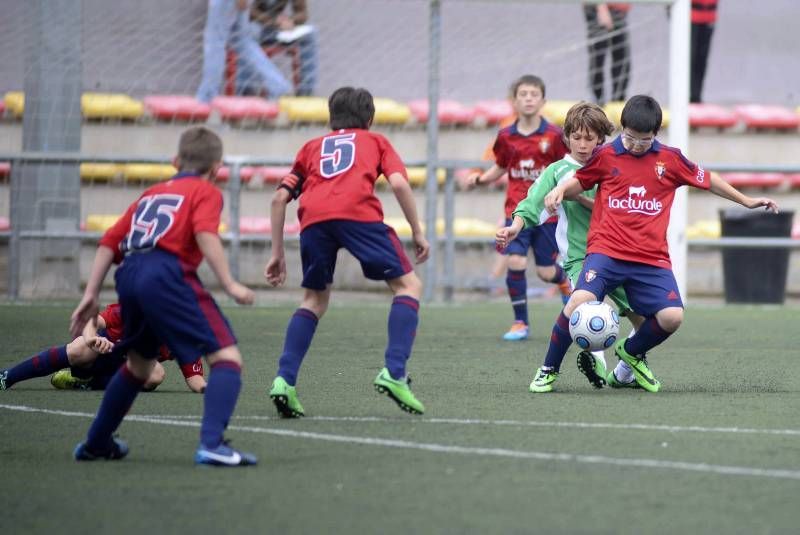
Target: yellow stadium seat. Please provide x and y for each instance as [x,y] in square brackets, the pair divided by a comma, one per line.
[614,112]
[151,172]
[100,222]
[304,109]
[704,229]
[101,171]
[418,175]
[110,105]
[15,102]
[556,110]
[388,111]
[399,224]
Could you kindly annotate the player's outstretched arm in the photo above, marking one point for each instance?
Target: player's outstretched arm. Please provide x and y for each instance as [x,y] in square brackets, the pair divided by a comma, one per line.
[506,235]
[405,198]
[568,188]
[211,246]
[98,344]
[89,306]
[719,186]
[490,175]
[275,270]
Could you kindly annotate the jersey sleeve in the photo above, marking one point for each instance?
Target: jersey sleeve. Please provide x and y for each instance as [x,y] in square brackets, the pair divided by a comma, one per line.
[112,316]
[207,209]
[193,368]
[689,173]
[592,173]
[390,161]
[113,237]
[502,152]
[531,209]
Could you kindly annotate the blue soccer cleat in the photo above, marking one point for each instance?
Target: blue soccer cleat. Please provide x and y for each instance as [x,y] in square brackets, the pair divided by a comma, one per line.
[518,331]
[223,455]
[117,451]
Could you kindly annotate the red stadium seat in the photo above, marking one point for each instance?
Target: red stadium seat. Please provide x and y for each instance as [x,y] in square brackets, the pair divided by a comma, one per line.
[5,169]
[794,181]
[764,116]
[756,180]
[796,231]
[292,229]
[451,113]
[5,224]
[2,107]
[255,225]
[494,111]
[271,175]
[239,108]
[176,107]
[245,173]
[711,115]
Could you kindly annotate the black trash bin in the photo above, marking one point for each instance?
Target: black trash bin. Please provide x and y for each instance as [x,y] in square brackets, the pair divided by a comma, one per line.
[755,274]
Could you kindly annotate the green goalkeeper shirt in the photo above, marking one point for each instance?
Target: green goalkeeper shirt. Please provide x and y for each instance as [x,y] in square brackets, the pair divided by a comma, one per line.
[573,218]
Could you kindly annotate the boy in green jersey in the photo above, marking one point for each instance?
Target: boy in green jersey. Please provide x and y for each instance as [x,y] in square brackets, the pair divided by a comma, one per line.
[585,127]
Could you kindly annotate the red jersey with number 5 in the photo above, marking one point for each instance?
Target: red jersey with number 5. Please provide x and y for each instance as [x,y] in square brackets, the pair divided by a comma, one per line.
[168,216]
[334,176]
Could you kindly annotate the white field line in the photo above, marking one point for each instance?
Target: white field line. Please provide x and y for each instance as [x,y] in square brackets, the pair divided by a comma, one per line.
[513,423]
[461,450]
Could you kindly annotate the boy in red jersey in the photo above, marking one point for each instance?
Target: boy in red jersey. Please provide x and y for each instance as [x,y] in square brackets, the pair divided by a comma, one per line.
[627,242]
[163,237]
[334,177]
[524,149]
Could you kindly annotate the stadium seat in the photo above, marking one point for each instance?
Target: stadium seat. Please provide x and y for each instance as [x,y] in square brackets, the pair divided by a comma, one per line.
[388,111]
[304,109]
[176,107]
[2,108]
[5,224]
[763,116]
[451,113]
[100,222]
[756,180]
[5,169]
[794,181]
[796,231]
[110,106]
[418,175]
[493,111]
[15,103]
[255,225]
[255,174]
[556,110]
[711,115]
[704,229]
[463,227]
[245,173]
[101,171]
[614,112]
[148,172]
[241,108]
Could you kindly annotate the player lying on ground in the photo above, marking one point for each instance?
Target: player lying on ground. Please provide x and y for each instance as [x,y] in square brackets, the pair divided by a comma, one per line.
[627,243]
[585,128]
[334,178]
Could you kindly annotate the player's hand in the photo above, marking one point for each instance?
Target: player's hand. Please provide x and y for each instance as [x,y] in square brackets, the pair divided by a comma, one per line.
[768,204]
[86,310]
[241,293]
[472,181]
[504,236]
[553,200]
[100,344]
[422,248]
[275,271]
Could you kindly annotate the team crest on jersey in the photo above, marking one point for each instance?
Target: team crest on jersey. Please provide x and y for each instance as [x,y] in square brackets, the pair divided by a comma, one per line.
[661,168]
[544,144]
[590,275]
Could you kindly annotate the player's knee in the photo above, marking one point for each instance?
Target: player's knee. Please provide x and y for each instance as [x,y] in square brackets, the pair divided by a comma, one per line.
[518,262]
[578,298]
[409,284]
[670,319]
[156,377]
[546,273]
[79,353]
[140,367]
[226,354]
[316,302]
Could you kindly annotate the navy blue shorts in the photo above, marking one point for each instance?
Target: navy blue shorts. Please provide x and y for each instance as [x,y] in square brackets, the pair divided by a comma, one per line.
[649,288]
[163,301]
[375,245]
[542,239]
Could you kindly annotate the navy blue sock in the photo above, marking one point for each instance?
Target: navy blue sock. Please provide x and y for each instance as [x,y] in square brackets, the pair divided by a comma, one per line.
[560,340]
[119,396]
[298,338]
[44,363]
[649,335]
[403,320]
[222,392]
[518,292]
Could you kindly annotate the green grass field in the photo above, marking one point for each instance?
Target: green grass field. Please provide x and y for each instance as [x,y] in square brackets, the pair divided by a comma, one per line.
[717,450]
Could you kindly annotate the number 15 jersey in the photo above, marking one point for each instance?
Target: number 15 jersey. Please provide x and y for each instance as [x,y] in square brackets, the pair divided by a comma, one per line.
[334,176]
[167,216]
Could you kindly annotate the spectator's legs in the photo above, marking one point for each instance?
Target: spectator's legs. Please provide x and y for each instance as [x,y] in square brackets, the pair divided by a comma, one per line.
[620,56]
[221,17]
[247,81]
[701,46]
[251,53]
[597,46]
[308,63]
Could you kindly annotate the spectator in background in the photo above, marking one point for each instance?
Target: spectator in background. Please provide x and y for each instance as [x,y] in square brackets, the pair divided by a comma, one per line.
[704,15]
[270,26]
[227,24]
[607,27]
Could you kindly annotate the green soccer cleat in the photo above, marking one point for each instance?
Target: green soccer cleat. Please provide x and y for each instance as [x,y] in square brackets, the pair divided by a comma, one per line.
[64,380]
[593,368]
[613,382]
[3,378]
[641,371]
[284,396]
[543,382]
[398,390]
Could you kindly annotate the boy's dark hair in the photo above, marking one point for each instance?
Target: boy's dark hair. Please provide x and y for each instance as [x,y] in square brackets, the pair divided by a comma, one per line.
[590,117]
[199,149]
[351,107]
[642,113]
[527,79]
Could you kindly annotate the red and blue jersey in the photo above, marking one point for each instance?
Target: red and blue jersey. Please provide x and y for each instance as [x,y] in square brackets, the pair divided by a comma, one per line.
[334,176]
[525,157]
[167,216]
[634,197]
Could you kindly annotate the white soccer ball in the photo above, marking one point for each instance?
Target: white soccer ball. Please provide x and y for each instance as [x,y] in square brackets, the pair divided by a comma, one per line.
[594,326]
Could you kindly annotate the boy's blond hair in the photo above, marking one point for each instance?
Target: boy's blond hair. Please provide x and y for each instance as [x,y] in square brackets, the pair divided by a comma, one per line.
[199,149]
[590,117]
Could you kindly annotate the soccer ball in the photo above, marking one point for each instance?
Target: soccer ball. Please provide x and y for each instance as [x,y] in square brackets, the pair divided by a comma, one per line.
[594,326]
